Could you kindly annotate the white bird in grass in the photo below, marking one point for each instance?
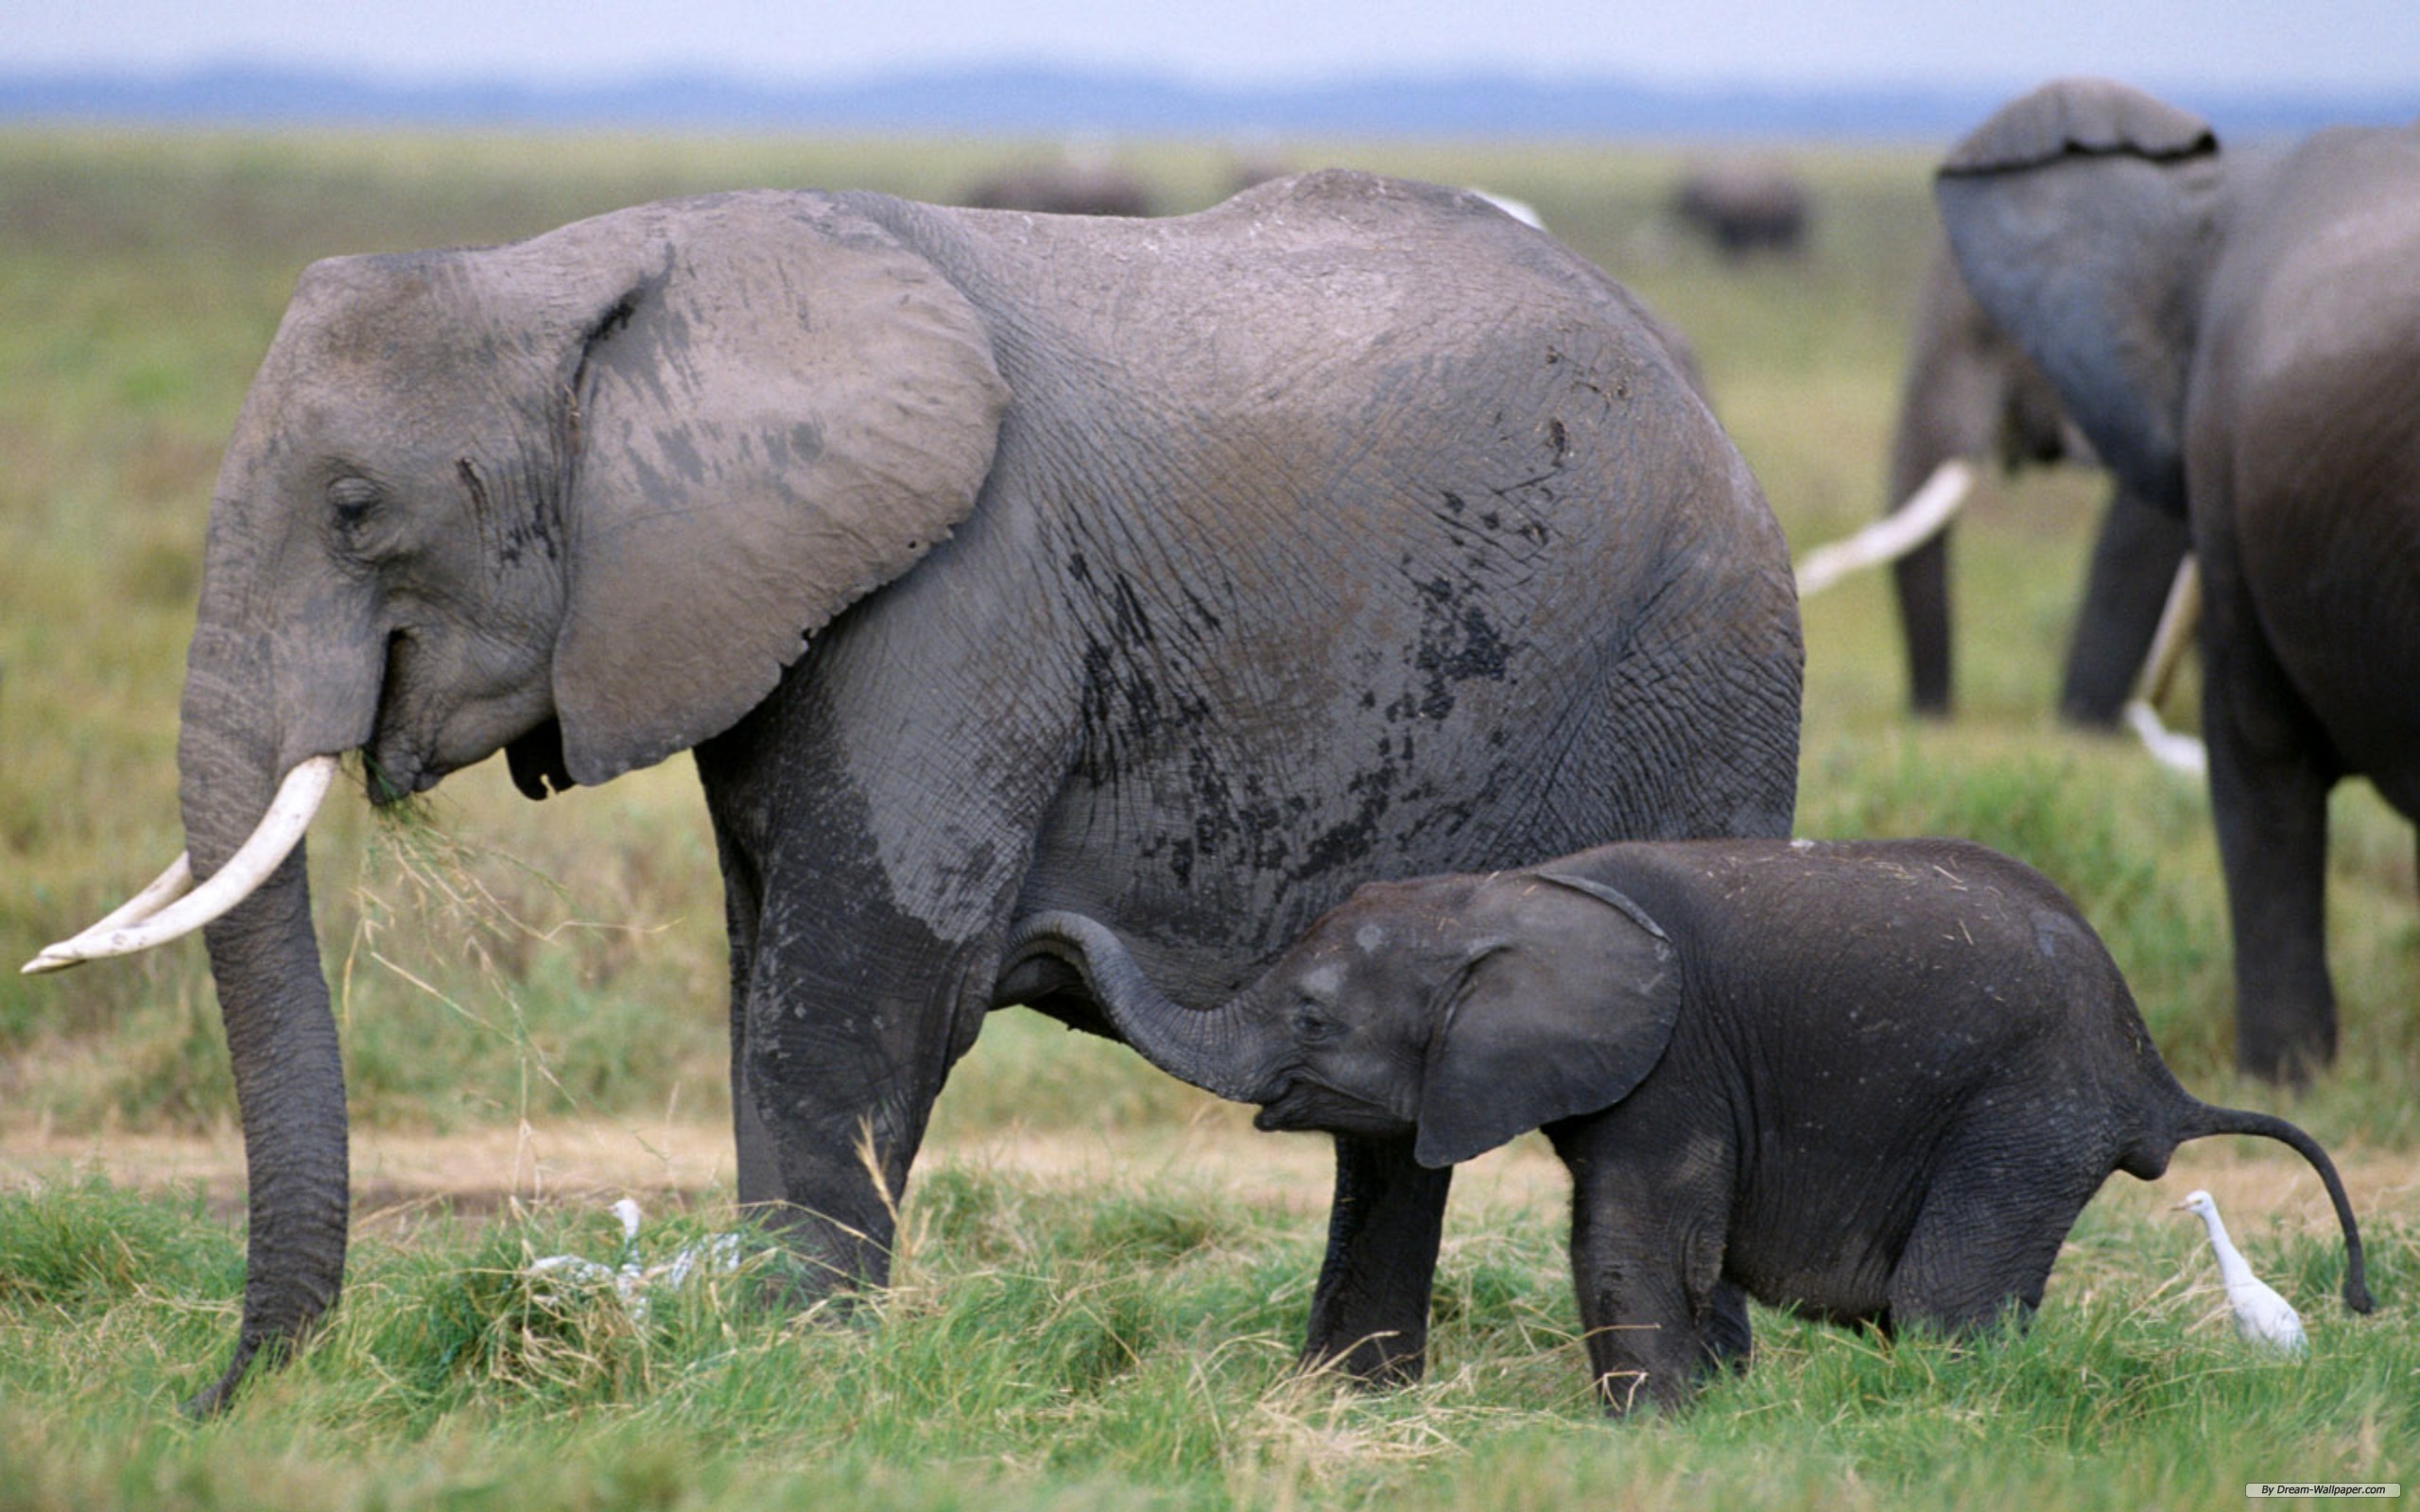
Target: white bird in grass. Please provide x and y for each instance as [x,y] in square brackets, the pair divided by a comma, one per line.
[2261,1316]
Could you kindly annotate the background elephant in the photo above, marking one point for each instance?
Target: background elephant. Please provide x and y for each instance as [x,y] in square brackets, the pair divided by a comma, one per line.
[2239,338]
[1744,205]
[1970,393]
[1073,185]
[1872,1081]
[1183,573]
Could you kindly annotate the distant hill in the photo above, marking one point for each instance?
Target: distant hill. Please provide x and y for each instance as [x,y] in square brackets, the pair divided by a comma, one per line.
[1044,101]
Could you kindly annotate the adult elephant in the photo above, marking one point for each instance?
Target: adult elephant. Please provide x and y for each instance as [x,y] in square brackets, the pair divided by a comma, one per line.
[1970,394]
[1744,205]
[2241,340]
[1182,574]
[1070,187]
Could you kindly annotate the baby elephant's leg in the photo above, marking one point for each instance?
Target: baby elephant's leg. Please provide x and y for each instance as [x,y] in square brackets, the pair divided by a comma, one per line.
[1728,1340]
[1986,1237]
[1639,1303]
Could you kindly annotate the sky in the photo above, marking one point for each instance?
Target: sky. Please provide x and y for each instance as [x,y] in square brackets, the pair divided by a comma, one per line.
[2294,45]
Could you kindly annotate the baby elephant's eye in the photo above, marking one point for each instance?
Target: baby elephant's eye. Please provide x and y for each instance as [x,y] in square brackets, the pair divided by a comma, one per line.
[1311,1022]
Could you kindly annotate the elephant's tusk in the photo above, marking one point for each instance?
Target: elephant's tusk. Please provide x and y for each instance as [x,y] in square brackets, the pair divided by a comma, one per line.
[165,889]
[1901,531]
[2171,748]
[2179,752]
[145,922]
[2177,618]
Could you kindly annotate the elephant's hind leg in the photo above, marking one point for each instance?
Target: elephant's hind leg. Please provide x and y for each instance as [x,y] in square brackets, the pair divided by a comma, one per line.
[2270,777]
[1984,1242]
[1729,1340]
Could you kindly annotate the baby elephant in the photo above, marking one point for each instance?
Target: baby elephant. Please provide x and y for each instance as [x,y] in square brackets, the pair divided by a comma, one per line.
[1873,1082]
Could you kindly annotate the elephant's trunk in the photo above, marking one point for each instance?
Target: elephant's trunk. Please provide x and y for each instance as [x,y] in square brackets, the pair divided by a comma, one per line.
[273,998]
[1207,1047]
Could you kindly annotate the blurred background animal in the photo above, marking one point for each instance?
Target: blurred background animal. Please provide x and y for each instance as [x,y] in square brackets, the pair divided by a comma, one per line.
[1083,181]
[1745,205]
[1970,394]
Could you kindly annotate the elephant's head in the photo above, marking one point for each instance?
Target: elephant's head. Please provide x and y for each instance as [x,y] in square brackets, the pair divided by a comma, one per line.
[2086,217]
[582,497]
[1463,1010]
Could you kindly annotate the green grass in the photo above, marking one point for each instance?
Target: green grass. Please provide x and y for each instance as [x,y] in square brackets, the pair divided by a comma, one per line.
[1120,1344]
[1126,1344]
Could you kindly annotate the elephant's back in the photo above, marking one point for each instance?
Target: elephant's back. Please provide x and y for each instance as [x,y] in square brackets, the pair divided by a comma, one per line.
[1322,272]
[1351,399]
[1958,955]
[2322,271]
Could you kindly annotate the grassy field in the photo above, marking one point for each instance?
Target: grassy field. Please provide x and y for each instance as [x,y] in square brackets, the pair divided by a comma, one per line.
[1112,1331]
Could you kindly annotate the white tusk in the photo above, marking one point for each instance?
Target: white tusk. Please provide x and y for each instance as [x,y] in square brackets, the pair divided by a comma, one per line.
[2182,752]
[2177,618]
[2171,748]
[127,930]
[1895,534]
[165,889]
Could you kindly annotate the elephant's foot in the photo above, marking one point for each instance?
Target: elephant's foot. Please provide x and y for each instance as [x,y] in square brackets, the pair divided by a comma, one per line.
[2286,1052]
[1380,1362]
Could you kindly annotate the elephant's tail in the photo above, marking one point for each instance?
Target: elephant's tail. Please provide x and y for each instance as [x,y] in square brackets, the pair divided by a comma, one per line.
[2203,1119]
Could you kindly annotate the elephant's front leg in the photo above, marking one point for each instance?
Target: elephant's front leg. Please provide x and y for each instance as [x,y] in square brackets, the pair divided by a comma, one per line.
[853,993]
[842,1040]
[1641,1328]
[743,902]
[2134,562]
[1369,1310]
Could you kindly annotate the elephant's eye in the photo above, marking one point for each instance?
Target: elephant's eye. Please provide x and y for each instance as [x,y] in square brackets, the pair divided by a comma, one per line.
[1312,1022]
[351,499]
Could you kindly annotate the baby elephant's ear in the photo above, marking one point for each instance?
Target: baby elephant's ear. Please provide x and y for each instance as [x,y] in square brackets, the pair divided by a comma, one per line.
[1564,1005]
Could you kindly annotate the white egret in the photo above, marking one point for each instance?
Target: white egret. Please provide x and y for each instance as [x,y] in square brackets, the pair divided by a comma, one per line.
[2261,1316]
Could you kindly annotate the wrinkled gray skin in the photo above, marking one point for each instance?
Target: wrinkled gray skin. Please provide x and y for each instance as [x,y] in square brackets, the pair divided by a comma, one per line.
[2240,337]
[1873,1082]
[1183,573]
[1969,394]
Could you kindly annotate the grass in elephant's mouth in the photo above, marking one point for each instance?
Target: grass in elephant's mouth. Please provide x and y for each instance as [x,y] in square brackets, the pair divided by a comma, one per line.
[426,864]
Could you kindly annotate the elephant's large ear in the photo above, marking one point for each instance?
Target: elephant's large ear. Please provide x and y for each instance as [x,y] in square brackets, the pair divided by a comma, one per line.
[2084,216]
[785,409]
[1565,1001]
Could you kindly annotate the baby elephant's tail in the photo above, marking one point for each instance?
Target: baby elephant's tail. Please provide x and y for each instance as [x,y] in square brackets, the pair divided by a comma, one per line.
[2205,1120]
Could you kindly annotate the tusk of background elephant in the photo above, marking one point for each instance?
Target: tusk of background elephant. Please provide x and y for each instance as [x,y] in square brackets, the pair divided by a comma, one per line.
[2179,752]
[2176,622]
[1901,531]
[2172,750]
[129,930]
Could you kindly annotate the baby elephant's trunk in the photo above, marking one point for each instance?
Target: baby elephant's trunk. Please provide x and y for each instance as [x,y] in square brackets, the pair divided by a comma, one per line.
[2204,1120]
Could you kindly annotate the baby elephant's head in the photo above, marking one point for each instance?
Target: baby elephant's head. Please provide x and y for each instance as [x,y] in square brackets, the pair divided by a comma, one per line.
[1462,1009]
